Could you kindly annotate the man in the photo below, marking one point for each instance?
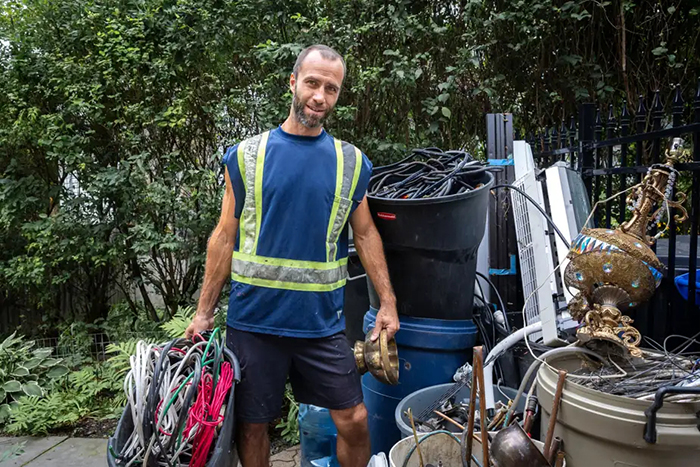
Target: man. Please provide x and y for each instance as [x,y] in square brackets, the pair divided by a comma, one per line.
[289,195]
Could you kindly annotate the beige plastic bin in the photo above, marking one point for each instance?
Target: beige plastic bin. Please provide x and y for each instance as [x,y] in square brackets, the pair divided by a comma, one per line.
[602,430]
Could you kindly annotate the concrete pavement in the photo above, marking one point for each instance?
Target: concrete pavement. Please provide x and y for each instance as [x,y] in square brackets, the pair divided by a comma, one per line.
[61,451]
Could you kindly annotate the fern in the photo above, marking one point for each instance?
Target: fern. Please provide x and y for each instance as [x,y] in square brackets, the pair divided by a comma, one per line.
[177,325]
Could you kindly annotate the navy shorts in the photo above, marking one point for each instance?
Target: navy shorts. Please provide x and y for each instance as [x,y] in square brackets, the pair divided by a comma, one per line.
[322,372]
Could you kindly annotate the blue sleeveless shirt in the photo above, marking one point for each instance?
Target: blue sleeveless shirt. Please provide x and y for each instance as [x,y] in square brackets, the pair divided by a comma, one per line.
[298,192]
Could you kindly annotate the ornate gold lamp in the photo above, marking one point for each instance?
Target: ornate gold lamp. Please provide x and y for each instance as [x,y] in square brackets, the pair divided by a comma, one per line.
[615,270]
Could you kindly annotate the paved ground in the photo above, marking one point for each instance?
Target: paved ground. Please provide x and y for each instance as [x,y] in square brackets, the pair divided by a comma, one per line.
[61,451]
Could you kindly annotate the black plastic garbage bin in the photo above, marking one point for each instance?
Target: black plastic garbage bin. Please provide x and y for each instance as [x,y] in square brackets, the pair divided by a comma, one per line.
[431,246]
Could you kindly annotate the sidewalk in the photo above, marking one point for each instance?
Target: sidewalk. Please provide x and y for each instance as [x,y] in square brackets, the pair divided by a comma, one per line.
[61,451]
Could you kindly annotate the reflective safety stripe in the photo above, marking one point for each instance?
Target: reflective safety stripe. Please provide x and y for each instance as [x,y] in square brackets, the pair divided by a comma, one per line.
[314,276]
[290,271]
[288,285]
[346,182]
[253,161]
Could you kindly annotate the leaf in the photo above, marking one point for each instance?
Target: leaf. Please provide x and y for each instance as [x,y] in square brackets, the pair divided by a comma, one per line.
[57,372]
[7,343]
[49,362]
[20,371]
[443,97]
[42,353]
[12,386]
[418,73]
[5,411]
[671,10]
[33,362]
[659,51]
[400,74]
[446,112]
[32,389]
[3,395]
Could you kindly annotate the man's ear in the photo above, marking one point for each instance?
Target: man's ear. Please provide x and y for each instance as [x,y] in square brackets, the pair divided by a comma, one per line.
[292,82]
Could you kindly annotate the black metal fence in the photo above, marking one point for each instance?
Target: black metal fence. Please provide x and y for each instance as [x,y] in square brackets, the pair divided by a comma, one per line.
[612,155]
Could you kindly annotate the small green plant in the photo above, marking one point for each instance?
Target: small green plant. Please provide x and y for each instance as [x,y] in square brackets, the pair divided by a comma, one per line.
[13,451]
[290,424]
[25,371]
[177,325]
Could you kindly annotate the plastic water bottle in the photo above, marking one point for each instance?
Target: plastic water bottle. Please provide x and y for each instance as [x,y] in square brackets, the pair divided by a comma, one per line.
[318,437]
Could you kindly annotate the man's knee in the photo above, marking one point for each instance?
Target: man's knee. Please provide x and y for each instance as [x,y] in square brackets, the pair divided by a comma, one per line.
[252,431]
[352,421]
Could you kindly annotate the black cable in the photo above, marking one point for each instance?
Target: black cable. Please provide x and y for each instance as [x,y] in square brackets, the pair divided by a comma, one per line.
[536,204]
[500,301]
[493,321]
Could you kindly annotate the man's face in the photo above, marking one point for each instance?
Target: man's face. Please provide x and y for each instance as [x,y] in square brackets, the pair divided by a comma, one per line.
[316,89]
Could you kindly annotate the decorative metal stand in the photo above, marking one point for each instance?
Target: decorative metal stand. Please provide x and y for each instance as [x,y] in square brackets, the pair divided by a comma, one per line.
[615,270]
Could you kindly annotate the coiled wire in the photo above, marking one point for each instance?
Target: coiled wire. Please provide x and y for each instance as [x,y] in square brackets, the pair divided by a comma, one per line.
[427,173]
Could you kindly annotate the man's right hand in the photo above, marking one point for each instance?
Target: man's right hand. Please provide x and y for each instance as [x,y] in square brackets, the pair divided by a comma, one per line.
[199,324]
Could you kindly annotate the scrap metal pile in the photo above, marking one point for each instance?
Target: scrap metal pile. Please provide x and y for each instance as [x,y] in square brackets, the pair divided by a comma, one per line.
[178,393]
[427,173]
[641,378]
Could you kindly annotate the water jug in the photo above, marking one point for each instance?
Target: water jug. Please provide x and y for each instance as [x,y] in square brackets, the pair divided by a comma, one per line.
[317,436]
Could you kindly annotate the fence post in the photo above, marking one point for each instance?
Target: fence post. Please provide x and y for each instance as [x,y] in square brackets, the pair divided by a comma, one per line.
[586,128]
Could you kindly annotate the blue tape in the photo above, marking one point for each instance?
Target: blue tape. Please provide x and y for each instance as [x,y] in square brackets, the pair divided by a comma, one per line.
[501,162]
[505,272]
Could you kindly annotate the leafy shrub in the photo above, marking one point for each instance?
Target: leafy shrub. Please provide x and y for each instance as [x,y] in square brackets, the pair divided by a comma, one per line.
[25,372]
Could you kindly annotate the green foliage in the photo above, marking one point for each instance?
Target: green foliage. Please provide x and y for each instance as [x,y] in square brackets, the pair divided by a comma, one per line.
[25,371]
[16,450]
[289,424]
[176,326]
[94,391]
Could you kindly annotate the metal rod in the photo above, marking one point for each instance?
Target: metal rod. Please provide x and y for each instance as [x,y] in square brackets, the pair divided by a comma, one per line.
[479,356]
[555,412]
[554,450]
[472,408]
[415,436]
[561,455]
[452,421]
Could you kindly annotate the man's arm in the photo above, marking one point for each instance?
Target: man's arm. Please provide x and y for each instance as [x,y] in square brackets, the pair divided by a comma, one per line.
[369,246]
[218,265]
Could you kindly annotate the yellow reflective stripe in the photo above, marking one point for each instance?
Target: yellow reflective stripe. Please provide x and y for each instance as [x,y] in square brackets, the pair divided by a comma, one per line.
[241,169]
[356,175]
[259,166]
[290,263]
[288,285]
[355,178]
[338,189]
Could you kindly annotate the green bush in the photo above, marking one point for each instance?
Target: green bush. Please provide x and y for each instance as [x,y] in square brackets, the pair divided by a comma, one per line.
[25,371]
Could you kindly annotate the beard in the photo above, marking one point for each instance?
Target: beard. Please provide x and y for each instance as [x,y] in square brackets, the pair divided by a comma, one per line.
[309,121]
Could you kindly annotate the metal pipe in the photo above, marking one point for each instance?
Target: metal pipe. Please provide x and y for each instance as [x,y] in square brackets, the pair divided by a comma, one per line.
[553,415]
[482,406]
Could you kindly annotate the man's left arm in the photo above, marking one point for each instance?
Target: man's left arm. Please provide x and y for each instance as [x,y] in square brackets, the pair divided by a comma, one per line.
[369,247]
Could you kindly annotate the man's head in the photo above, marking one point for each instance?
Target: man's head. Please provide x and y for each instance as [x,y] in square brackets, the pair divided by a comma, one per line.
[315,83]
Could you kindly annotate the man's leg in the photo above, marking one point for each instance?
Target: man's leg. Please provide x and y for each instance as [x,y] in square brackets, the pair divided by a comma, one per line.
[253,444]
[265,363]
[353,436]
[324,373]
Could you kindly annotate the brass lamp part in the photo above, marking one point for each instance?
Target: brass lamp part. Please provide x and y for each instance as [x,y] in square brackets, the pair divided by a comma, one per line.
[615,270]
[380,358]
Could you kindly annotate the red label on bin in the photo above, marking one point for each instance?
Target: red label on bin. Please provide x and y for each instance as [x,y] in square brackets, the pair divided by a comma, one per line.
[387,216]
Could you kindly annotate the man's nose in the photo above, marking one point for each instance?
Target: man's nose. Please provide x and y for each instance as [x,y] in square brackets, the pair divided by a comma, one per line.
[318,97]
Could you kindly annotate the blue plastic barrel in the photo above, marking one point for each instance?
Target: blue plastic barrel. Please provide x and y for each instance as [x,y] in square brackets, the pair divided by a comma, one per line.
[430,351]
[317,436]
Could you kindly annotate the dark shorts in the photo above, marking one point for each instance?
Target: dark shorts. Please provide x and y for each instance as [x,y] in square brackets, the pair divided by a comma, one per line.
[322,372]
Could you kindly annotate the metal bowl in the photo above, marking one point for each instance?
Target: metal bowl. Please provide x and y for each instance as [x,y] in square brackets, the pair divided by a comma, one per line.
[512,447]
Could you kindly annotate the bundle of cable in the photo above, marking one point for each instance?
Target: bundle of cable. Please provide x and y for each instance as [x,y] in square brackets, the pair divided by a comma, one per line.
[180,400]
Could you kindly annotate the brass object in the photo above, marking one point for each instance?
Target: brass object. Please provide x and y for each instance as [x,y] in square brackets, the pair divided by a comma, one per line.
[512,447]
[616,270]
[380,358]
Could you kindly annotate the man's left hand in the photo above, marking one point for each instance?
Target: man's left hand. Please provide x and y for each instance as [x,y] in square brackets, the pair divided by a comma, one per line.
[387,318]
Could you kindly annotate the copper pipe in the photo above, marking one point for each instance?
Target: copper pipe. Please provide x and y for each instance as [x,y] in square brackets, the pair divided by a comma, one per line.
[553,415]
[479,357]
[560,459]
[556,446]
[454,422]
[529,419]
[472,408]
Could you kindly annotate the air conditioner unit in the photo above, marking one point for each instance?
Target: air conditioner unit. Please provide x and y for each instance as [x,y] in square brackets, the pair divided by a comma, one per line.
[561,193]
